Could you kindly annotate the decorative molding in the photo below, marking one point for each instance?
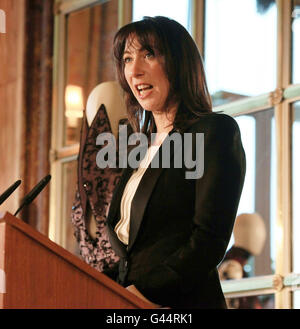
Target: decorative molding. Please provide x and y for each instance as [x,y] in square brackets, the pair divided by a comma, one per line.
[292,281]
[292,92]
[67,152]
[67,6]
[278,282]
[259,285]
[124,12]
[275,97]
[56,7]
[52,155]
[248,286]
[197,13]
[245,105]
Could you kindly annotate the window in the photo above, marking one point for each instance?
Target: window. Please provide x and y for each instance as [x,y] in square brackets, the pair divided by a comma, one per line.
[240,48]
[175,9]
[258,137]
[296,192]
[296,41]
[253,77]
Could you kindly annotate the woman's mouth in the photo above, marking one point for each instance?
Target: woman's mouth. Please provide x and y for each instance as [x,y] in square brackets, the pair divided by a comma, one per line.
[144,90]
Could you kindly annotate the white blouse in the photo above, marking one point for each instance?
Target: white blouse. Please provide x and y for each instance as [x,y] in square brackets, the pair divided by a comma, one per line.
[122,227]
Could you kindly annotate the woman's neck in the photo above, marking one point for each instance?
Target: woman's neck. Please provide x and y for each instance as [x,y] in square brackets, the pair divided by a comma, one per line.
[164,124]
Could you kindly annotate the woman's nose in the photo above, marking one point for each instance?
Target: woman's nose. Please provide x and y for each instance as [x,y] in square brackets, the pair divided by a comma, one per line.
[136,68]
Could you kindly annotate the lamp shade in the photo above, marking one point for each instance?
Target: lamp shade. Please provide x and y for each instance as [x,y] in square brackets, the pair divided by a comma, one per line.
[74,101]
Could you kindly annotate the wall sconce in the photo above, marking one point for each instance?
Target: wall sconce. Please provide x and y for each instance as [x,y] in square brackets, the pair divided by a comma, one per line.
[74,104]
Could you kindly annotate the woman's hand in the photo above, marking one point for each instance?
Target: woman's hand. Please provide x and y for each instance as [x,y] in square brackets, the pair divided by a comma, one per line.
[133,290]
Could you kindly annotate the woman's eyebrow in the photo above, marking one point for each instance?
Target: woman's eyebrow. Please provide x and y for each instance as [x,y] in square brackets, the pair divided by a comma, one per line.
[143,48]
[127,52]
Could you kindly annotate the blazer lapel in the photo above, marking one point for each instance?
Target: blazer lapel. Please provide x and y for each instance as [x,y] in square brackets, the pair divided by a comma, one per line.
[113,217]
[140,201]
[144,192]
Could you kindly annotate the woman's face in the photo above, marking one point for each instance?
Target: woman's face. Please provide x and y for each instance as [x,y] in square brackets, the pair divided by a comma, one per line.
[145,76]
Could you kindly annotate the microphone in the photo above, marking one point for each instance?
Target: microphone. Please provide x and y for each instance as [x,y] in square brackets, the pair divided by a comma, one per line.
[9,191]
[34,193]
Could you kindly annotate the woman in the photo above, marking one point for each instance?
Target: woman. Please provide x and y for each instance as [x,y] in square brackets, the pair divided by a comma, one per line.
[171,232]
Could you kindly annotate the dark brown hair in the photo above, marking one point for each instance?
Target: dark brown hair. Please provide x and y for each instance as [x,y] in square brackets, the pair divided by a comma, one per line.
[182,64]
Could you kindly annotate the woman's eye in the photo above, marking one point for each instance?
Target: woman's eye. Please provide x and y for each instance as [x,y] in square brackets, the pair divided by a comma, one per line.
[149,55]
[126,59]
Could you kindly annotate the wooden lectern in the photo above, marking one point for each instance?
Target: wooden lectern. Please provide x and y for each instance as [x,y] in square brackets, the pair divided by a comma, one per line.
[37,273]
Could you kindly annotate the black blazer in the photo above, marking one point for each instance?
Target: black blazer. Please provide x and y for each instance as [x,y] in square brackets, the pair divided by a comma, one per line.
[180,228]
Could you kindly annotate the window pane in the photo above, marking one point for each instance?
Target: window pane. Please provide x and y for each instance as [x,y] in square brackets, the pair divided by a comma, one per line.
[175,9]
[251,302]
[296,42]
[240,48]
[90,33]
[296,299]
[251,249]
[296,185]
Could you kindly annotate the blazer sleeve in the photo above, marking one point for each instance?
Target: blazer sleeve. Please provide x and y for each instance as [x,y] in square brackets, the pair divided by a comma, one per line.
[217,195]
